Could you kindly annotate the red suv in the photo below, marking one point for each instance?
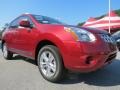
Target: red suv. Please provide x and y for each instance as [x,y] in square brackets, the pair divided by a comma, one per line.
[57,47]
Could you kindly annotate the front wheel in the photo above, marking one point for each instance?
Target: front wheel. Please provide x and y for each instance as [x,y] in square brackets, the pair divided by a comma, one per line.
[7,54]
[50,63]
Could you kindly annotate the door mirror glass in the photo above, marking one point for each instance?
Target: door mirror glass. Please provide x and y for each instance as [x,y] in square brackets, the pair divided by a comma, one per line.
[24,23]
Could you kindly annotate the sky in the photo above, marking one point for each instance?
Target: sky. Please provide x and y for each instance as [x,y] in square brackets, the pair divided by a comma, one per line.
[69,11]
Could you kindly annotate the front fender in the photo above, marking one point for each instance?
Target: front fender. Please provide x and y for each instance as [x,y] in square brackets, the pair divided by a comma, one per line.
[66,47]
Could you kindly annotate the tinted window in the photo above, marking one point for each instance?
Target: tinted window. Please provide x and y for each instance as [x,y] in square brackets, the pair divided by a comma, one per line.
[116,33]
[15,23]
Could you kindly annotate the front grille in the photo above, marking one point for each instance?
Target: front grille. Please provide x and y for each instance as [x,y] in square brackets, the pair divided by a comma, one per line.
[107,38]
[112,47]
[111,57]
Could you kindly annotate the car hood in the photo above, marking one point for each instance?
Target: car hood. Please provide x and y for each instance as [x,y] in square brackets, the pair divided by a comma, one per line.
[92,30]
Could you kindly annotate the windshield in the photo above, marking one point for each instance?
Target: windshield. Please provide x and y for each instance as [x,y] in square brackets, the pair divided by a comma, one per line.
[46,20]
[116,33]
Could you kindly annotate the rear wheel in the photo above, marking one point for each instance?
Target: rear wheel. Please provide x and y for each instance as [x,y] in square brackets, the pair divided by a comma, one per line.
[50,63]
[7,54]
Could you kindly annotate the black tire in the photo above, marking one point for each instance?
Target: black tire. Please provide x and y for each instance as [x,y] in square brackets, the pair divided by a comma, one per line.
[118,49]
[9,54]
[59,73]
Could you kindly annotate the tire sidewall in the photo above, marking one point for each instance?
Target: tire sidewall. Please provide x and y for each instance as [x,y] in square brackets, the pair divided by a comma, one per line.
[5,56]
[9,54]
[58,59]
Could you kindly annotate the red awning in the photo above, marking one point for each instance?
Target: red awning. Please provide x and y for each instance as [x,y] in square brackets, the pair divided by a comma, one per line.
[103,23]
[89,21]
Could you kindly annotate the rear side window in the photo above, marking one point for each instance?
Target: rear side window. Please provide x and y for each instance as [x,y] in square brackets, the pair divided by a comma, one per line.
[15,23]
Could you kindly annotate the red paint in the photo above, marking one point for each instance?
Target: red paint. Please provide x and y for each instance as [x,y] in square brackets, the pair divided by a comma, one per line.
[75,53]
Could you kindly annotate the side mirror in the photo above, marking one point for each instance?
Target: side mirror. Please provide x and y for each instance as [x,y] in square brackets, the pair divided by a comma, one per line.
[24,23]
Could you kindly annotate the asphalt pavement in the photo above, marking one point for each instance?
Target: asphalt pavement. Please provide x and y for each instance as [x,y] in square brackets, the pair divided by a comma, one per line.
[23,74]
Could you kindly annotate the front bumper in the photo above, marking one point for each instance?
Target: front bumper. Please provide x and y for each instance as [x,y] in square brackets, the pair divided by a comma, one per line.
[88,57]
[89,63]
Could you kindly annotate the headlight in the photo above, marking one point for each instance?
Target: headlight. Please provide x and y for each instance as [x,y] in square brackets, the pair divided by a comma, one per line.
[80,34]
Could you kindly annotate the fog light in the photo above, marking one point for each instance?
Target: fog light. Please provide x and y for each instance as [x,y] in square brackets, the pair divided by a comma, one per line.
[89,60]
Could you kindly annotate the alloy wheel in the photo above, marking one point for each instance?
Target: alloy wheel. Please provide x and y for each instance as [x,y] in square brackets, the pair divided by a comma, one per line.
[48,64]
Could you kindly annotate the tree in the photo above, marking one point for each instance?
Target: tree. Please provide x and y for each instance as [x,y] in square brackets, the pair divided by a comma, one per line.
[80,24]
[118,12]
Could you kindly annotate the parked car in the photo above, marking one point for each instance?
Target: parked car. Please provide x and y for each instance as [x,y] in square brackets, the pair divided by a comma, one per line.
[0,35]
[1,32]
[116,36]
[57,47]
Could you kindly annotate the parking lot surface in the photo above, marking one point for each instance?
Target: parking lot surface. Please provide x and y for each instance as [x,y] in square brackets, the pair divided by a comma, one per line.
[23,74]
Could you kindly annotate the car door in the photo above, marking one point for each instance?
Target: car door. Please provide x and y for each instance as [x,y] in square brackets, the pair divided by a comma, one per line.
[12,35]
[27,38]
